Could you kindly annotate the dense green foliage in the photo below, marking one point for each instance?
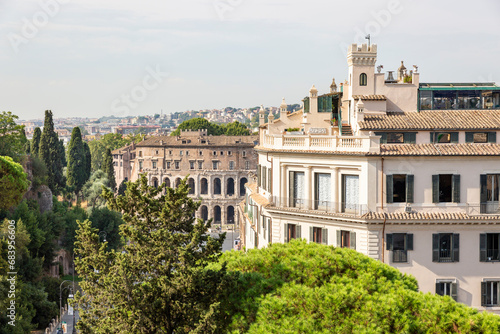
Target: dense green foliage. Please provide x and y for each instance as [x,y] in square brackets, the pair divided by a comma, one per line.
[159,283]
[112,141]
[92,189]
[309,288]
[109,169]
[76,173]
[88,160]
[13,182]
[51,154]
[232,129]
[12,137]
[35,142]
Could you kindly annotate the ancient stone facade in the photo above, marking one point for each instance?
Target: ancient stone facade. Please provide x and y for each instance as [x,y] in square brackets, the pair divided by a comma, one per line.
[218,168]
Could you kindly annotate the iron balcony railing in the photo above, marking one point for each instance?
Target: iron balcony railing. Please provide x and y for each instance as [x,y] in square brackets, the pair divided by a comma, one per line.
[320,205]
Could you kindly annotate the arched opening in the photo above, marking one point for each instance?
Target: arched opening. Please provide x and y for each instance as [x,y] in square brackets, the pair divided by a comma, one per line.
[204,213]
[178,182]
[230,215]
[363,79]
[230,187]
[167,182]
[61,266]
[217,187]
[154,182]
[191,186]
[204,186]
[243,181]
[217,215]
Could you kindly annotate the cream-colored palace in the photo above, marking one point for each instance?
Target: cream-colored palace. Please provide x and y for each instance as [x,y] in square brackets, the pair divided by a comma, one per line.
[405,172]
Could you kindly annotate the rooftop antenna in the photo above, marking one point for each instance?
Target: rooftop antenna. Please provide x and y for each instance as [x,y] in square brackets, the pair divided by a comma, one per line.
[368,38]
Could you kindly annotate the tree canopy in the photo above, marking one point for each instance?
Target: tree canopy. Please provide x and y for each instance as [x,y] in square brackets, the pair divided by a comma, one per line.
[12,137]
[112,141]
[35,142]
[232,129]
[76,174]
[109,169]
[13,182]
[160,282]
[51,154]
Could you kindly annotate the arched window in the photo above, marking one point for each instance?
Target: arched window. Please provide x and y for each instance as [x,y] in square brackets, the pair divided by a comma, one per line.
[363,79]
[217,188]
[230,187]
[191,186]
[217,215]
[204,213]
[204,186]
[167,182]
[243,181]
[154,182]
[230,215]
[177,182]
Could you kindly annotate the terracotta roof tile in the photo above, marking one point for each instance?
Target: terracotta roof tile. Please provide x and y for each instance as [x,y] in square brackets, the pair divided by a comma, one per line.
[429,215]
[468,149]
[434,120]
[370,97]
[195,141]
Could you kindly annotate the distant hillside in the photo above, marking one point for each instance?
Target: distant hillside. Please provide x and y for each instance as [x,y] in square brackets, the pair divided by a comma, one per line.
[309,288]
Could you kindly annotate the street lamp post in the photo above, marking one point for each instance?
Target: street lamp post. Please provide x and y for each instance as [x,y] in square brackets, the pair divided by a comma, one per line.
[104,235]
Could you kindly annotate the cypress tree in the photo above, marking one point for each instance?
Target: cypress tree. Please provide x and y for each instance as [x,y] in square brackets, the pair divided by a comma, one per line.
[62,153]
[35,142]
[76,161]
[49,153]
[88,160]
[108,169]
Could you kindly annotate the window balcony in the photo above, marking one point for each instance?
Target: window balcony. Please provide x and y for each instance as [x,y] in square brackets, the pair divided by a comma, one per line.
[361,144]
[319,206]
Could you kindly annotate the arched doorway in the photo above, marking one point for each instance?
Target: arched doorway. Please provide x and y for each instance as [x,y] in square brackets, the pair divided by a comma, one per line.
[191,186]
[178,182]
[167,182]
[230,187]
[230,215]
[204,213]
[243,181]
[217,187]
[204,186]
[217,215]
[154,182]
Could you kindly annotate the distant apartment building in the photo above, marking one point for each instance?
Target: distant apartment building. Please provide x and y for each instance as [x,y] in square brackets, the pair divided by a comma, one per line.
[405,172]
[132,129]
[218,168]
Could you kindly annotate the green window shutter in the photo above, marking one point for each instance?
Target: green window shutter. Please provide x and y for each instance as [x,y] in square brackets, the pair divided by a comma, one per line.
[439,289]
[469,137]
[353,240]
[389,188]
[409,241]
[456,188]
[258,175]
[270,180]
[482,247]
[383,137]
[454,137]
[388,242]
[328,103]
[298,230]
[492,137]
[409,187]
[435,247]
[456,248]
[409,137]
[324,236]
[483,181]
[483,293]
[311,234]
[306,104]
[339,238]
[435,188]
[290,189]
[286,232]
[454,291]
[432,137]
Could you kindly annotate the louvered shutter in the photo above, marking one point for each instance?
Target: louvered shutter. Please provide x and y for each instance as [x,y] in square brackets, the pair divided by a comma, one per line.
[339,238]
[311,234]
[483,293]
[258,176]
[324,236]
[409,187]
[435,247]
[482,247]
[456,247]
[435,188]
[286,232]
[432,137]
[388,242]
[298,231]
[409,137]
[483,181]
[492,137]
[454,137]
[469,137]
[456,188]
[409,241]
[454,291]
[439,288]
[389,188]
[353,240]
[383,137]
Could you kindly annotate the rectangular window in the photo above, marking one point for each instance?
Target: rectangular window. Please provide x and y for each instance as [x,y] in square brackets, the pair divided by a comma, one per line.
[229,153]
[489,187]
[221,153]
[201,153]
[444,137]
[200,164]
[170,152]
[187,153]
[318,235]
[446,288]
[154,164]
[446,188]
[191,165]
[322,184]
[247,165]
[214,165]
[399,244]
[346,239]
[350,193]
[445,247]
[140,153]
[231,165]
[397,137]
[490,293]
[244,154]
[400,188]
[292,231]
[296,190]
[489,249]
[168,164]
[263,175]
[177,165]
[180,153]
[140,165]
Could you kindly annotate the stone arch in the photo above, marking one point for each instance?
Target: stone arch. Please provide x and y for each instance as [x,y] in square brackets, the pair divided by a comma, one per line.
[217,186]
[167,182]
[230,215]
[230,187]
[191,186]
[204,186]
[217,215]
[204,213]
[154,182]
[178,182]
[243,181]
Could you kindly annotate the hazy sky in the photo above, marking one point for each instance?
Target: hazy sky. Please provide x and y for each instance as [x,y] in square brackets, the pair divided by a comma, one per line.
[123,57]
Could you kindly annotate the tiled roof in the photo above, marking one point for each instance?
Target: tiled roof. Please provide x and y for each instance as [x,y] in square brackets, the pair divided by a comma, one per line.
[370,97]
[428,215]
[266,149]
[439,149]
[257,198]
[434,120]
[196,141]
